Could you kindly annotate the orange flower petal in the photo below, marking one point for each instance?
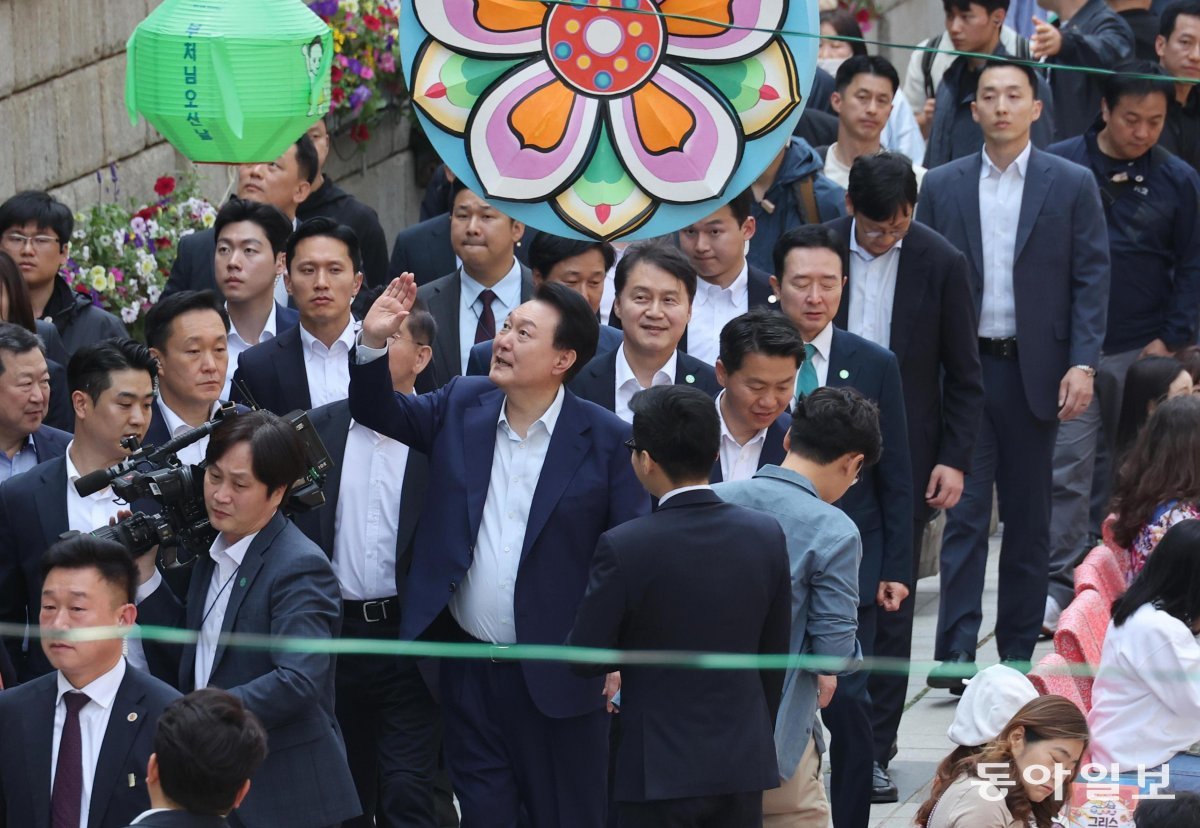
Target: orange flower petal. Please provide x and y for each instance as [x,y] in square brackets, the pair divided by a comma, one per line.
[541,119]
[663,122]
[508,15]
[718,11]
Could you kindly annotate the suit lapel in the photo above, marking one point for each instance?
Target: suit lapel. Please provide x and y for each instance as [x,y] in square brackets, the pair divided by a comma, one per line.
[968,205]
[841,360]
[444,307]
[568,446]
[194,614]
[911,285]
[292,365]
[479,445]
[759,291]
[51,504]
[1038,180]
[333,434]
[126,719]
[243,579]
[412,501]
[38,725]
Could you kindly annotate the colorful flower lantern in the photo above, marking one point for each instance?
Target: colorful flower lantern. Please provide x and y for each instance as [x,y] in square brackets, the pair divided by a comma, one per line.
[608,118]
[229,81]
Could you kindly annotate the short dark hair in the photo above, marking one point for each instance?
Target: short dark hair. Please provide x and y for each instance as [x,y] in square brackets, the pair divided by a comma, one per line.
[40,208]
[91,367]
[307,160]
[760,331]
[1166,24]
[84,551]
[846,25]
[421,326]
[1137,79]
[659,254]
[276,455]
[20,308]
[270,219]
[678,426]
[207,744]
[991,64]
[547,250]
[881,185]
[741,205]
[324,226]
[832,422]
[865,65]
[965,5]
[1181,810]
[812,236]
[577,329]
[162,316]
[16,340]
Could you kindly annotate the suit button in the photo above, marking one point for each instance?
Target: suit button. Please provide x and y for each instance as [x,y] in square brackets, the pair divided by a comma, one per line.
[453,586]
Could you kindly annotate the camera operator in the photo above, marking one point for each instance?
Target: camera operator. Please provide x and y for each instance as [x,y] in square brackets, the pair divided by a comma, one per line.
[264,577]
[188,333]
[112,393]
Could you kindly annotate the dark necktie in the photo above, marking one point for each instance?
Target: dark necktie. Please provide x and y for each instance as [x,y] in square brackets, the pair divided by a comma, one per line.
[486,329]
[67,794]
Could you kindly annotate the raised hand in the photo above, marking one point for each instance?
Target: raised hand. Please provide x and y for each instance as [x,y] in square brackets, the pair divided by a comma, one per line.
[389,311]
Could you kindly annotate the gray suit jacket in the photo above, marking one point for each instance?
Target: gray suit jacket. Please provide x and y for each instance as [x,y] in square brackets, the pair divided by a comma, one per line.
[284,587]
[824,549]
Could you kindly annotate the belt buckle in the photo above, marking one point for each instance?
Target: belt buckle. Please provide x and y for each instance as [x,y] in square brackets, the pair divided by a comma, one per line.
[366,611]
[495,660]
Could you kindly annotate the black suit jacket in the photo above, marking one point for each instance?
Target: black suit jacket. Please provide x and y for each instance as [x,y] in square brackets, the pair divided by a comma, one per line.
[441,298]
[424,250]
[597,382]
[881,503]
[773,451]
[273,371]
[162,608]
[332,423]
[50,443]
[194,267]
[683,735]
[935,337]
[180,819]
[27,720]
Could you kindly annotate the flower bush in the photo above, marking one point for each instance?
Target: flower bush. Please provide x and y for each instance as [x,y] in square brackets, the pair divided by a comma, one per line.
[121,255]
[366,75]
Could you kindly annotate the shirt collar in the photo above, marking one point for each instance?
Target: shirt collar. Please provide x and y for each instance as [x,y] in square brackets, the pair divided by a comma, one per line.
[788,476]
[311,343]
[823,341]
[1021,162]
[706,292]
[548,419]
[102,690]
[73,475]
[861,251]
[268,331]
[681,490]
[236,552]
[625,373]
[507,290]
[147,589]
[175,424]
[726,434]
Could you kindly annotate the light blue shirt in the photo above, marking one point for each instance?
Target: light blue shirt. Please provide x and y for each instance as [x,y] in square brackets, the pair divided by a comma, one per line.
[825,551]
[24,460]
[508,296]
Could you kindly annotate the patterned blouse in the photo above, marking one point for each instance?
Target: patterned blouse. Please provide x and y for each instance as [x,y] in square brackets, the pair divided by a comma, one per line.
[1164,517]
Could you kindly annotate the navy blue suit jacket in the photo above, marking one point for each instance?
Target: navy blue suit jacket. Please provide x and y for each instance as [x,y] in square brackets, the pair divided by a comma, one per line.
[1060,263]
[597,382]
[773,451]
[50,443]
[27,720]
[881,503]
[273,372]
[650,591]
[479,361]
[586,487]
[284,587]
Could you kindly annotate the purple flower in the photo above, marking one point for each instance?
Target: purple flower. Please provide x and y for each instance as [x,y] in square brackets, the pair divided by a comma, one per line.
[359,97]
[324,8]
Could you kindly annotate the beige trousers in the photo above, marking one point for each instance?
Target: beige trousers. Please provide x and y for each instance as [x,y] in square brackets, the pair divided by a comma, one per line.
[800,801]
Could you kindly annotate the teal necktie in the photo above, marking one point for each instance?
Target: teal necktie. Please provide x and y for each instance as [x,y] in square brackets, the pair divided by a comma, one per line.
[808,372]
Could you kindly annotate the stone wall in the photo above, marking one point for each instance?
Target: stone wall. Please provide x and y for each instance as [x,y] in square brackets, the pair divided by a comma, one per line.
[62,111]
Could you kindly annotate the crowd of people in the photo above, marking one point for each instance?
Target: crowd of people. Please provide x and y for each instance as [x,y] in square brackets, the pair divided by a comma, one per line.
[977,283]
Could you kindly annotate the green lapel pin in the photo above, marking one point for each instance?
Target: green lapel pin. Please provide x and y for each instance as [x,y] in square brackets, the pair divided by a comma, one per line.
[690,378]
[242,583]
[844,374]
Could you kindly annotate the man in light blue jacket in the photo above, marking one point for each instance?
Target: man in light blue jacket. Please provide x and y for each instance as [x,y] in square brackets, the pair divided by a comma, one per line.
[834,434]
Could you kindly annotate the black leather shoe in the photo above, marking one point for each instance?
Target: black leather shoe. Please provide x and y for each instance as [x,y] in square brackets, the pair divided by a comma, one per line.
[883,789]
[950,673]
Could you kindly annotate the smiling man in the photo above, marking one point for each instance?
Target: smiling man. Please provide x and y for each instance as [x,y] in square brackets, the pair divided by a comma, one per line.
[24,400]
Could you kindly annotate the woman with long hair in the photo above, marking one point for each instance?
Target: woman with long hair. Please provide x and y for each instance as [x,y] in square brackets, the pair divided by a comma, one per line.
[1158,484]
[1148,382]
[1021,778]
[1146,698]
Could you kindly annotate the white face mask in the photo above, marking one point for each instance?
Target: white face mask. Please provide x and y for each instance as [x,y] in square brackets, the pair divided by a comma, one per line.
[830,65]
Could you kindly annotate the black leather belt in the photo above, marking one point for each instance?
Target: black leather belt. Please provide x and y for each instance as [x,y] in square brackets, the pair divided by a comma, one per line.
[373,612]
[1005,348]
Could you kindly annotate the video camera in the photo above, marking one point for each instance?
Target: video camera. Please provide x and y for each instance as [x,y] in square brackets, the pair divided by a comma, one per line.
[150,472]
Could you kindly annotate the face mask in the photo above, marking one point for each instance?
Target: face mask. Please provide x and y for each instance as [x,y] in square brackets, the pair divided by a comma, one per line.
[830,65]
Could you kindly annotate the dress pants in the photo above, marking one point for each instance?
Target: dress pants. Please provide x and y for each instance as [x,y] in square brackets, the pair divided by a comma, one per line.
[506,757]
[799,801]
[893,639]
[392,728]
[1015,452]
[736,810]
[848,718]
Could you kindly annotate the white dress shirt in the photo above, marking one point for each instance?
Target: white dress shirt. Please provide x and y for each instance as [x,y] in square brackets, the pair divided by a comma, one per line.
[328,369]
[681,490]
[628,385]
[713,307]
[872,290]
[368,514]
[135,653]
[839,173]
[227,559]
[483,603]
[470,307]
[236,345]
[87,513]
[1000,196]
[739,461]
[193,454]
[93,721]
[822,342]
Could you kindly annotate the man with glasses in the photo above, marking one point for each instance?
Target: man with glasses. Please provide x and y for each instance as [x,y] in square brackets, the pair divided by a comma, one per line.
[35,230]
[810,267]
[908,292]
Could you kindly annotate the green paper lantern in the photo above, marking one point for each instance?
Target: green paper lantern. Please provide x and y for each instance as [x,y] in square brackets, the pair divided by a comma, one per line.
[229,81]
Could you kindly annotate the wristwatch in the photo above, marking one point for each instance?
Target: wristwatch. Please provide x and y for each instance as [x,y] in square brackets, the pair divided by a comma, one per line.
[1087,369]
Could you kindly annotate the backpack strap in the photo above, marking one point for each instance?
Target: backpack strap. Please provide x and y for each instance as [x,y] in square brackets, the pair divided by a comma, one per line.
[927,58]
[806,200]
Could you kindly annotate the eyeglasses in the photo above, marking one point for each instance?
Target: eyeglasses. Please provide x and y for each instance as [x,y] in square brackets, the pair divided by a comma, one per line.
[896,235]
[632,446]
[17,241]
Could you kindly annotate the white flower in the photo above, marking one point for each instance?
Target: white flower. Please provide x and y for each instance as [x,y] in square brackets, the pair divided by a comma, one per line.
[79,234]
[350,6]
[85,254]
[146,266]
[209,218]
[98,279]
[118,238]
[129,315]
[153,293]
[152,229]
[102,240]
[186,232]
